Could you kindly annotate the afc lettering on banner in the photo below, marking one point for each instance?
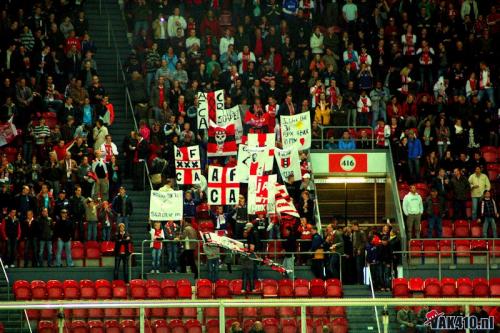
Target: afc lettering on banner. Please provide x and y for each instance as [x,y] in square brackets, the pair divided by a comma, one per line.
[223,187]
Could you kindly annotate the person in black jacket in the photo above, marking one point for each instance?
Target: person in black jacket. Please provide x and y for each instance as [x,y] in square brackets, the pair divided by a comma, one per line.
[123,207]
[12,233]
[30,233]
[140,157]
[122,251]
[63,231]
[24,202]
[77,213]
[46,226]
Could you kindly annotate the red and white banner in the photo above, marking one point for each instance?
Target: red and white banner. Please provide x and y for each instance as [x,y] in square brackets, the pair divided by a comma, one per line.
[221,140]
[284,203]
[261,140]
[223,187]
[187,165]
[261,193]
[231,116]
[288,163]
[253,161]
[208,105]
[296,131]
[8,133]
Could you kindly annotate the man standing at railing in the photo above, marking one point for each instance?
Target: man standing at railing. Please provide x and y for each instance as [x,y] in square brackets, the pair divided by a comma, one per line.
[413,208]
[435,210]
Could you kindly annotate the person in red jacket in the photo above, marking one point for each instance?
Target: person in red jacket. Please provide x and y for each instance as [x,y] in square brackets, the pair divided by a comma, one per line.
[210,23]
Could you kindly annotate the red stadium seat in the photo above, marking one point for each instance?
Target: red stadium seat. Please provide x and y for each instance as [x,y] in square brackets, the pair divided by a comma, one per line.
[112,326]
[461,229]
[269,312]
[289,326]
[138,289]
[416,251]
[447,227]
[462,251]
[431,250]
[46,326]
[416,284]
[212,326]
[222,289]
[301,288]
[493,170]
[319,323]
[285,288]
[465,287]
[333,288]
[103,289]
[448,287]
[336,311]
[95,326]
[161,326]
[479,251]
[129,326]
[92,254]
[286,312]
[236,286]
[184,289]
[424,229]
[476,230]
[270,325]
[168,288]
[317,287]
[55,290]
[22,290]
[87,292]
[119,289]
[248,312]
[269,288]
[400,287]
[481,287]
[77,251]
[432,287]
[71,289]
[176,326]
[193,326]
[319,311]
[38,290]
[204,288]
[189,312]
[495,287]
[153,289]
[340,325]
[79,326]
[247,325]
[119,292]
[107,248]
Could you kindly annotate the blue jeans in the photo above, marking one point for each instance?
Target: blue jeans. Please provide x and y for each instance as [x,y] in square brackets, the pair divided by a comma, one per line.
[140,25]
[67,248]
[172,251]
[489,221]
[124,220]
[377,114]
[92,230]
[45,244]
[150,76]
[414,165]
[475,204]
[491,95]
[435,222]
[213,269]
[156,253]
[106,233]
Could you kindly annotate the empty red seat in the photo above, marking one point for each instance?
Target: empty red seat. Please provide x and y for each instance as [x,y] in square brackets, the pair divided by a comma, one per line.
[317,288]
[204,288]
[269,288]
[445,248]
[465,287]
[104,289]
[432,287]
[193,326]
[92,252]
[247,325]
[22,290]
[340,325]
[79,326]
[236,286]
[77,251]
[461,229]
[448,287]
[289,326]
[212,326]
[176,326]
[160,326]
[270,325]
[112,326]
[415,248]
[476,230]
[495,287]
[119,292]
[71,289]
[184,289]
[222,289]
[447,229]
[129,326]
[38,290]
[168,288]
[319,311]
[333,288]
[46,326]
[285,288]
[462,250]
[119,289]
[107,248]
[336,311]
[301,288]
[400,287]
[55,290]
[138,289]
[268,312]
[153,289]
[481,287]
[416,284]
[95,326]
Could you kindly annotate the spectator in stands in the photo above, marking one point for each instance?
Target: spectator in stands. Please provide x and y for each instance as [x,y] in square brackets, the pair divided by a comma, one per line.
[190,237]
[289,246]
[46,226]
[413,208]
[100,170]
[123,207]
[406,319]
[172,232]
[156,236]
[122,252]
[91,208]
[12,235]
[240,215]
[346,142]
[460,187]
[236,327]
[334,246]
[414,155]
[488,212]
[257,327]
[30,235]
[63,231]
[358,244]
[385,257]
[479,183]
[435,210]
[213,259]
[319,254]
[106,217]
[247,264]
[141,156]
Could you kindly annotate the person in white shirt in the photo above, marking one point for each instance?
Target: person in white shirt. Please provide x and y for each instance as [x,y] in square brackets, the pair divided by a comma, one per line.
[225,41]
[316,42]
[160,33]
[485,84]
[108,149]
[244,58]
[479,183]
[413,208]
[350,12]
[192,40]
[174,22]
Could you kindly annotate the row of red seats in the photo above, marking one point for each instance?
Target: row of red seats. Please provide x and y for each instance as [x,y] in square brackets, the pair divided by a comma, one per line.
[456,229]
[447,287]
[471,251]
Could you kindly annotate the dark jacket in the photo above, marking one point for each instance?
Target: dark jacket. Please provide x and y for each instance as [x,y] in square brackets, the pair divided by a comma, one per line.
[460,187]
[77,208]
[63,229]
[46,227]
[12,228]
[122,206]
[429,206]
[122,240]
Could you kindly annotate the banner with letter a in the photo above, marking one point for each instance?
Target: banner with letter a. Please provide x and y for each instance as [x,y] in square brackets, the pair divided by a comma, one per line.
[187,165]
[208,104]
[288,162]
[223,187]
[231,116]
[261,193]
[296,131]
[221,140]
[164,206]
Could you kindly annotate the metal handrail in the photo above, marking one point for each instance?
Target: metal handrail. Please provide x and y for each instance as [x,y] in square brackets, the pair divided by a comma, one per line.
[395,198]
[373,295]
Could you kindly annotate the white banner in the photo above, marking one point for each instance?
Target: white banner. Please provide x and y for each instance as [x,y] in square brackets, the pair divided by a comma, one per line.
[261,191]
[208,104]
[8,132]
[223,187]
[296,131]
[284,203]
[164,206]
[288,163]
[231,116]
[253,161]
[187,165]
[261,140]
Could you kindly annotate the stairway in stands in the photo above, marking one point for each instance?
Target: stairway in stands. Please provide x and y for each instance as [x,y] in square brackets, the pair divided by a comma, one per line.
[362,319]
[106,68]
[12,320]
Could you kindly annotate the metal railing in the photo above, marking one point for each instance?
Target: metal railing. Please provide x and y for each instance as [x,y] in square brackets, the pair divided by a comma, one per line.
[326,135]
[221,304]
[373,296]
[395,200]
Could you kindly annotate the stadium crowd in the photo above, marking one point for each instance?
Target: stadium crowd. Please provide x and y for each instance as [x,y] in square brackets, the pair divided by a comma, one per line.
[419,75]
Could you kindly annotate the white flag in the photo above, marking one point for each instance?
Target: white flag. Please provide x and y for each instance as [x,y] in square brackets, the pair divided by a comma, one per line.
[253,161]
[164,206]
[261,193]
[284,203]
[231,116]
[296,131]
[288,163]
[223,187]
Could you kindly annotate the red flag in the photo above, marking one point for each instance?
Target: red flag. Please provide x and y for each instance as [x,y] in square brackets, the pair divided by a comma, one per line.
[221,140]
